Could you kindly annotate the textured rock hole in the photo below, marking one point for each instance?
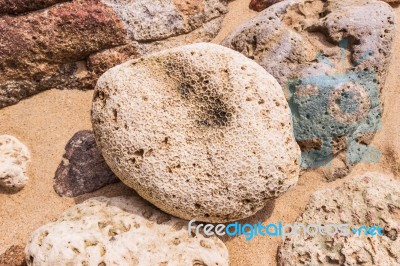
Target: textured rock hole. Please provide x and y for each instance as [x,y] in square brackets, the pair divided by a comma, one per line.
[391,234]
[139,152]
[115,114]
[197,206]
[199,263]
[149,153]
[186,90]
[99,95]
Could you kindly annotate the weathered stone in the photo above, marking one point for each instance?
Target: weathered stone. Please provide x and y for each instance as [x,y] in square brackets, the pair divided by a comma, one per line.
[47,49]
[121,231]
[331,57]
[83,168]
[13,256]
[70,44]
[200,131]
[371,199]
[14,158]
[22,6]
[260,5]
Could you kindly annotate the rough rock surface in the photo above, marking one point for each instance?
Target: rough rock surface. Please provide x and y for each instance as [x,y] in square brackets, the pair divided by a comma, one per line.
[260,5]
[13,256]
[371,199]
[200,131]
[321,52]
[121,231]
[83,168]
[69,45]
[14,158]
[15,7]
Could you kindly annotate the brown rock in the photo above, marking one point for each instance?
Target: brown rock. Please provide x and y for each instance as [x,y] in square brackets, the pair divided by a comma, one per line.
[21,6]
[392,2]
[47,49]
[83,168]
[13,256]
[260,5]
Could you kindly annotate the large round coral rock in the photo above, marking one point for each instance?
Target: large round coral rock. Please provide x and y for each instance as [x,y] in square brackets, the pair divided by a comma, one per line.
[200,131]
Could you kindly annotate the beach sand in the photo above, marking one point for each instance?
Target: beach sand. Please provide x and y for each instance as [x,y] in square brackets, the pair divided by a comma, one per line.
[47,121]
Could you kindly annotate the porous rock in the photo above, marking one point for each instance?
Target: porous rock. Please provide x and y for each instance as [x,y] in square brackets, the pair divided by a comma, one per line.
[260,5]
[199,130]
[68,45]
[371,199]
[121,231]
[321,51]
[15,7]
[14,158]
[83,168]
[13,256]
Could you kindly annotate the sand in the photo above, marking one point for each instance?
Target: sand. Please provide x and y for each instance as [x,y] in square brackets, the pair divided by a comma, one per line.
[47,121]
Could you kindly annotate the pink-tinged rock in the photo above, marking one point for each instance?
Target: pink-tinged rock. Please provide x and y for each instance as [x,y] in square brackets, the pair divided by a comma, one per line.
[82,169]
[260,5]
[47,49]
[22,6]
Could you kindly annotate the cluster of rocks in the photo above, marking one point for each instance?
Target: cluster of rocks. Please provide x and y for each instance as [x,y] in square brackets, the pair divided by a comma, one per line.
[68,45]
[201,131]
[14,158]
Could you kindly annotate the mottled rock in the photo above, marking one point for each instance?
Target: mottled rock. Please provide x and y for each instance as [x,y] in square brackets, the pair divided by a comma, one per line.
[331,58]
[121,231]
[21,6]
[13,256]
[47,49]
[69,45]
[371,199]
[200,131]
[14,158]
[83,168]
[260,5]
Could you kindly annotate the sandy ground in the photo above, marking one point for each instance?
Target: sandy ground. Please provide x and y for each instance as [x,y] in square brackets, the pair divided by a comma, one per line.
[47,121]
